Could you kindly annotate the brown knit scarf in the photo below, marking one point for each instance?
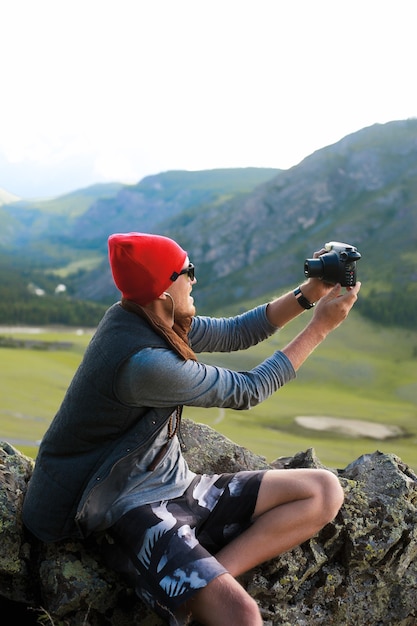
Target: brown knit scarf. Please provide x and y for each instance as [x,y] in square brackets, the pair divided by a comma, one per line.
[176,337]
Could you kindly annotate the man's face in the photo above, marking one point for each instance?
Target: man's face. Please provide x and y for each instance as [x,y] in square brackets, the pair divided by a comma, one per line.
[180,290]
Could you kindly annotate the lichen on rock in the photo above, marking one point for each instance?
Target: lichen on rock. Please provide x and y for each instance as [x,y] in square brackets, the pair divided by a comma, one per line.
[360,570]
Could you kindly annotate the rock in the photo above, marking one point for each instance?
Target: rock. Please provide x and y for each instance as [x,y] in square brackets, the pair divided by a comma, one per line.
[360,570]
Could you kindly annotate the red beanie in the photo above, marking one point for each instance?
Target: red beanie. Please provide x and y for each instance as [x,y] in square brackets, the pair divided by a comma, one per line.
[142,264]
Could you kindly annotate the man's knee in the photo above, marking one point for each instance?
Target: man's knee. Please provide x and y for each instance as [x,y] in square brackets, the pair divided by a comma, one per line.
[250,611]
[330,494]
[225,602]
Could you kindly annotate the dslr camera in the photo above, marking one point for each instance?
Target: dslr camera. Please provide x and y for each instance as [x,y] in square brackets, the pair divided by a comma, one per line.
[337,265]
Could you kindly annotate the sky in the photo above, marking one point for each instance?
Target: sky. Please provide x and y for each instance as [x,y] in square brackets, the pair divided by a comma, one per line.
[115,90]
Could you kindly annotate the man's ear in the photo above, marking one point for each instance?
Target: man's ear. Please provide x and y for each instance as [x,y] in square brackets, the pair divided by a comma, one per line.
[168,295]
[164,295]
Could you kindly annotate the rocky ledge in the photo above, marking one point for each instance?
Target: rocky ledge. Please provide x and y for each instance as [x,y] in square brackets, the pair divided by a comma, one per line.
[360,570]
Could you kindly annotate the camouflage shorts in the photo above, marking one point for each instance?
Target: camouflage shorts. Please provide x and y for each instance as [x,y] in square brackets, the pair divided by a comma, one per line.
[166,548]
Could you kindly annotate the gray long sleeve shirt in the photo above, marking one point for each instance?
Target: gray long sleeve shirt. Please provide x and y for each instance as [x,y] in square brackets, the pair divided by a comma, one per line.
[158,377]
[193,383]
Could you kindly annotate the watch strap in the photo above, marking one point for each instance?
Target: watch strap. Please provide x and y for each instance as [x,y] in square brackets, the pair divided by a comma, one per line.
[302,300]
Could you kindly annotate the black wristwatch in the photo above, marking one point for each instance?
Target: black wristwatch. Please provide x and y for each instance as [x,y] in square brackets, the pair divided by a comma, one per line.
[302,300]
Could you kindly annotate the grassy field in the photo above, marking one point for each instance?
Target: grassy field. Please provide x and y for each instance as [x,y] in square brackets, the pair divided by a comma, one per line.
[360,372]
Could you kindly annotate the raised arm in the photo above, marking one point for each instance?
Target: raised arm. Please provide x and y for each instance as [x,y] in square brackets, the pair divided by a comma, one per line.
[285,308]
[329,313]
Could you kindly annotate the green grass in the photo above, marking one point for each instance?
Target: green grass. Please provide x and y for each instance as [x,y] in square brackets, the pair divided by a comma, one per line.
[361,371]
[33,383]
[85,263]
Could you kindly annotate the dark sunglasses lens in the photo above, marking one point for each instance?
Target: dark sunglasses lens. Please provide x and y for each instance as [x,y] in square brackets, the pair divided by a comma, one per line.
[190,272]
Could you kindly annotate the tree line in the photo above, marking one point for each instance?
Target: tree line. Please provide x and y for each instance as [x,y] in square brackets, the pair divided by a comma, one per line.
[396,306]
[389,309]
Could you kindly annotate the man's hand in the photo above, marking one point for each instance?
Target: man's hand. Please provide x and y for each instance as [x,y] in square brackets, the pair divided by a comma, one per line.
[334,307]
[315,288]
[331,310]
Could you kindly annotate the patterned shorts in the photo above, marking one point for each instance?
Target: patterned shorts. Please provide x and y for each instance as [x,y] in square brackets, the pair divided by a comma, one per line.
[166,548]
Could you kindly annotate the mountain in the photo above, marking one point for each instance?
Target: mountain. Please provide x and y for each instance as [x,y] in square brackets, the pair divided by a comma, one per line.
[48,218]
[362,190]
[159,199]
[6,197]
[248,231]
[78,217]
[65,239]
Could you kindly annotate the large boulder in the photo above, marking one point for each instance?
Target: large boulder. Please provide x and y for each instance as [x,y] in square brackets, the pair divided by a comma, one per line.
[360,570]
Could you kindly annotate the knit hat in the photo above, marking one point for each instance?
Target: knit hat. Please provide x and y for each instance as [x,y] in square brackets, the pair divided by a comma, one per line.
[143,265]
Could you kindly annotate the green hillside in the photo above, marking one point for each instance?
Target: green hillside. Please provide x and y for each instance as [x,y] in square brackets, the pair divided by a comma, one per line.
[19,303]
[351,375]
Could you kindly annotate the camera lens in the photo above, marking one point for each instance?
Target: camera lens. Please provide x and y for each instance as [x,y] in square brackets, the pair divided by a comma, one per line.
[313,268]
[326,267]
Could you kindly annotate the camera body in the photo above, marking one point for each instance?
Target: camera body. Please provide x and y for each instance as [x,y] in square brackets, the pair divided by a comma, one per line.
[337,265]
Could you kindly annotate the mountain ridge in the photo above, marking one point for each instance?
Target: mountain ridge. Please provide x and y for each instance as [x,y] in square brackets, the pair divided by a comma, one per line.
[249,230]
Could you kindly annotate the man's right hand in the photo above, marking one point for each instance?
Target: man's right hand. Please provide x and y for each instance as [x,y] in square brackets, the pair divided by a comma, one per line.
[332,309]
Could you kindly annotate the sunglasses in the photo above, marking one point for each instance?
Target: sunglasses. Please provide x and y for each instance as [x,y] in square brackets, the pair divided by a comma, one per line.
[190,271]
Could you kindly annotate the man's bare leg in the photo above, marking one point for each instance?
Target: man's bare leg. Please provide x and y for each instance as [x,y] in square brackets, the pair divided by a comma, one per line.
[223,602]
[292,506]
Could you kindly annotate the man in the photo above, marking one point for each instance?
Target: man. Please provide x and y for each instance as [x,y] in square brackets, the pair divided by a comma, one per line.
[110,464]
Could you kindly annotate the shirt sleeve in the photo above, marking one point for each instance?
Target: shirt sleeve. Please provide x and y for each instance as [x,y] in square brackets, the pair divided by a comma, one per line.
[228,334]
[159,378]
